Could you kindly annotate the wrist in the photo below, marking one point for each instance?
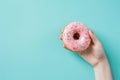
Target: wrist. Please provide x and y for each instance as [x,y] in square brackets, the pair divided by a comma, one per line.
[101,61]
[102,70]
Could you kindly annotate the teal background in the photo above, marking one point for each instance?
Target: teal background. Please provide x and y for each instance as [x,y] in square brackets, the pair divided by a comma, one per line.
[29,44]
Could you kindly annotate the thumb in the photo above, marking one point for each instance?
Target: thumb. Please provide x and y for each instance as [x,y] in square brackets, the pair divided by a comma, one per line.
[93,37]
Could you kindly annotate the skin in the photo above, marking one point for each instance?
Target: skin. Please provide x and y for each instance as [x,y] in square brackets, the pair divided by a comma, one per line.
[96,57]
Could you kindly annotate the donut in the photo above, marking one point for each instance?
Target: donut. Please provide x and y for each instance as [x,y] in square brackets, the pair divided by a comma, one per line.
[76,36]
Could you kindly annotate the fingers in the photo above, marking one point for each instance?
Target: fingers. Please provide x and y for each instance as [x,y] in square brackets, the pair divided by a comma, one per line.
[80,52]
[62,30]
[61,36]
[93,37]
[65,46]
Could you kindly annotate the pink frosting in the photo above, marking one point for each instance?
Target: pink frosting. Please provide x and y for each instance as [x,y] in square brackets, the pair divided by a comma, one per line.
[82,42]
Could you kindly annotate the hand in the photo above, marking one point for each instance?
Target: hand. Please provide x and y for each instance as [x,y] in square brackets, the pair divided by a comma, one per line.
[94,53]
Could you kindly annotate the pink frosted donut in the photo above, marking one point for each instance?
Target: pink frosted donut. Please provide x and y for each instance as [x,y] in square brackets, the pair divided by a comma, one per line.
[76,36]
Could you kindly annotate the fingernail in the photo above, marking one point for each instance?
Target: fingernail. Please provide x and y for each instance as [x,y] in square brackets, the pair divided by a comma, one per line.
[60,37]
[63,45]
[92,31]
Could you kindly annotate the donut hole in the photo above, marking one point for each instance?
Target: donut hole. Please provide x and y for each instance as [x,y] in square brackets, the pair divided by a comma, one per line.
[76,36]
